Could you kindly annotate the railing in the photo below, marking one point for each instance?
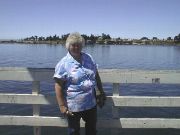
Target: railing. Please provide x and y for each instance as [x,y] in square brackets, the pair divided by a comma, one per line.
[111,76]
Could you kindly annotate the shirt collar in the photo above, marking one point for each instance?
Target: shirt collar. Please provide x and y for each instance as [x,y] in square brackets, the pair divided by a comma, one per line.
[71,59]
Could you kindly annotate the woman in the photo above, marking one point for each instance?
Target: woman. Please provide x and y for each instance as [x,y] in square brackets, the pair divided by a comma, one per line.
[76,78]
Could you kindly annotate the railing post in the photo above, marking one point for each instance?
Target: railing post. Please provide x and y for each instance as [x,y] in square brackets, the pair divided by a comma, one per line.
[115,112]
[36,108]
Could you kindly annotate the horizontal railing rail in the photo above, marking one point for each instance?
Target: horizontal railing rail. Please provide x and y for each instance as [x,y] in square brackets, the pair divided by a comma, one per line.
[118,101]
[107,75]
[115,76]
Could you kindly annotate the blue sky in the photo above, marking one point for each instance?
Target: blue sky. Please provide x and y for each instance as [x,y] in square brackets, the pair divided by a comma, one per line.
[119,18]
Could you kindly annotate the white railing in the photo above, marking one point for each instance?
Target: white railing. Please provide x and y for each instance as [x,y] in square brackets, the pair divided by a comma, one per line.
[114,76]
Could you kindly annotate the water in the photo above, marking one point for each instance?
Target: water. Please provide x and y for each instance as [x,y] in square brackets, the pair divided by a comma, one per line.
[124,56]
[120,57]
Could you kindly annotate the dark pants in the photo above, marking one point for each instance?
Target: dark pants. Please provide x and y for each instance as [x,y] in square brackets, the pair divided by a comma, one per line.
[90,118]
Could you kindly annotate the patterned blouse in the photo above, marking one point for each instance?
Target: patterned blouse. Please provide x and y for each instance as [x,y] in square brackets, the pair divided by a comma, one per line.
[79,81]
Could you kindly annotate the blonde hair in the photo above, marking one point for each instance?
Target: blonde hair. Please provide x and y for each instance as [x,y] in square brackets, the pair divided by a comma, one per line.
[75,38]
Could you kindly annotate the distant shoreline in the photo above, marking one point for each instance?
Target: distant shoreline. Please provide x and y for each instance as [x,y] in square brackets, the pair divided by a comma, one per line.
[167,43]
[104,39]
[32,42]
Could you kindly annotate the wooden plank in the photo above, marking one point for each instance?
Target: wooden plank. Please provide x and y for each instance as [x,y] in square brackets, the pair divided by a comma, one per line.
[140,76]
[107,75]
[36,107]
[127,101]
[26,74]
[32,121]
[36,91]
[146,101]
[116,88]
[115,110]
[27,99]
[140,123]
[102,123]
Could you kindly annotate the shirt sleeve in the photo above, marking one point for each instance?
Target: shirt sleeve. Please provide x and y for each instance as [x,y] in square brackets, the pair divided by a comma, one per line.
[95,67]
[60,71]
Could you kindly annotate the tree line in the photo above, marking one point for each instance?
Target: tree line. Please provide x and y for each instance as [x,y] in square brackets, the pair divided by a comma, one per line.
[104,39]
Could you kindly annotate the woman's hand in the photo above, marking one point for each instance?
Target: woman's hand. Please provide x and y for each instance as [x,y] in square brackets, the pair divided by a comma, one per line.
[100,95]
[64,110]
[100,99]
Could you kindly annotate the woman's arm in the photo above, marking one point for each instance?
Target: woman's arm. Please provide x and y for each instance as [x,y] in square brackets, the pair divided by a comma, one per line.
[100,94]
[99,83]
[60,95]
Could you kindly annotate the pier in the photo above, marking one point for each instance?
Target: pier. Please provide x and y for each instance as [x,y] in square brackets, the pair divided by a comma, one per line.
[114,102]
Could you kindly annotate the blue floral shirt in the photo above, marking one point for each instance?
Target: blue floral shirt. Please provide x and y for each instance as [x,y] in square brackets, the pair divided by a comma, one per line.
[79,81]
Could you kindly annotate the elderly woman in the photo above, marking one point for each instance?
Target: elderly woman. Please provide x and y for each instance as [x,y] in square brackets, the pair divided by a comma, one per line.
[76,78]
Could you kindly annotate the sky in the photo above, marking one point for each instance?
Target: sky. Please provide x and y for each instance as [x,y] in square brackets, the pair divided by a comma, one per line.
[118,18]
